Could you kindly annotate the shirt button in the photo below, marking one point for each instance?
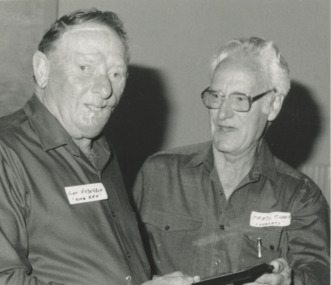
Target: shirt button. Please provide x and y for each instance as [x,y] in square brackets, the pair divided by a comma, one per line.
[128,280]
[222,227]
[128,254]
[272,247]
[166,228]
[218,261]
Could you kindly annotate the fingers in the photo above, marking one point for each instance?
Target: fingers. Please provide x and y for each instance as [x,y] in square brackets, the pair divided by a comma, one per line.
[174,278]
[279,265]
[281,275]
[174,274]
[196,278]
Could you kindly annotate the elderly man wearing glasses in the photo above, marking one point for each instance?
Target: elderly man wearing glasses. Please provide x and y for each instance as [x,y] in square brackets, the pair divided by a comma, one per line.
[227,205]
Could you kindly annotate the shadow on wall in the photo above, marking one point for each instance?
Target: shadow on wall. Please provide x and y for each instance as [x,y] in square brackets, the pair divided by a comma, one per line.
[137,127]
[291,136]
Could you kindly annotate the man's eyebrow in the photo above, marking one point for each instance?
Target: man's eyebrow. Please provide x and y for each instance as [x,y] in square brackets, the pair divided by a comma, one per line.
[216,91]
[121,66]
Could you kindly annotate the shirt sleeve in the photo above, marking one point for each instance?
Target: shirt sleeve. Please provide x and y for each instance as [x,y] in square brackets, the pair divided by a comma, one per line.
[140,188]
[15,267]
[309,236]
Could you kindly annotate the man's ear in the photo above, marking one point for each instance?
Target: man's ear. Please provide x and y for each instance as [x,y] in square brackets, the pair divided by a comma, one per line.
[275,106]
[40,68]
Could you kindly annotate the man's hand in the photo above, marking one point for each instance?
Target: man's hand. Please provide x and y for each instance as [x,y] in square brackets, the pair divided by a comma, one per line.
[281,275]
[175,278]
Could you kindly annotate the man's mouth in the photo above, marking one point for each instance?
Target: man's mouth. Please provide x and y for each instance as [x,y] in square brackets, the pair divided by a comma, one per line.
[226,128]
[93,107]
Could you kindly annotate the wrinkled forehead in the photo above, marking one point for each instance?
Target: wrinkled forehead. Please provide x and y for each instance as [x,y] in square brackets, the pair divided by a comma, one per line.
[90,31]
[245,68]
[86,27]
[91,38]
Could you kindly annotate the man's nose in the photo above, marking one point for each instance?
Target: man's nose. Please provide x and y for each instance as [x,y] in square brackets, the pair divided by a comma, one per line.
[102,86]
[225,110]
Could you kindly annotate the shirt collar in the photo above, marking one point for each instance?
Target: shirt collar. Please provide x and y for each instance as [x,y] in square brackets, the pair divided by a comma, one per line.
[50,132]
[52,135]
[263,165]
[203,155]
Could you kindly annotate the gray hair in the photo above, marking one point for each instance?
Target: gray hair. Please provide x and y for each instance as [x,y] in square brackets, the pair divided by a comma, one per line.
[268,54]
[59,27]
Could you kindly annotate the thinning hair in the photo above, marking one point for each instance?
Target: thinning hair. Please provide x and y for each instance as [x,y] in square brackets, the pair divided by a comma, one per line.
[62,25]
[265,51]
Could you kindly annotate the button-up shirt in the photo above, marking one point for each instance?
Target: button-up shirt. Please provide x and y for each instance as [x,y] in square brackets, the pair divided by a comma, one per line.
[44,238]
[191,226]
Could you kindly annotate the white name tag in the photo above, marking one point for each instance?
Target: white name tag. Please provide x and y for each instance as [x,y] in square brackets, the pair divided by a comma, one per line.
[86,193]
[273,219]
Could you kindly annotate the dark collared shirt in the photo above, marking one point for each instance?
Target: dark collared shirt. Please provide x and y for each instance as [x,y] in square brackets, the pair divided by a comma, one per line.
[44,239]
[193,228]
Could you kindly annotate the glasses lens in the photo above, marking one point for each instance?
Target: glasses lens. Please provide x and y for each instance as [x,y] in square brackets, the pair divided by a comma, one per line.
[239,102]
[211,99]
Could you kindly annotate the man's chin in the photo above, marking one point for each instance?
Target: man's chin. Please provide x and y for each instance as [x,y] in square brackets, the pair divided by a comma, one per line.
[223,147]
[91,132]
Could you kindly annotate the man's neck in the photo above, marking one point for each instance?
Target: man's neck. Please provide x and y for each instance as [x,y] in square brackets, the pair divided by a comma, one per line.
[232,169]
[85,145]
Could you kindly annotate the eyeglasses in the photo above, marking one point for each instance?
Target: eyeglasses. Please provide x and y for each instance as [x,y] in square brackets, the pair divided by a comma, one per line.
[240,102]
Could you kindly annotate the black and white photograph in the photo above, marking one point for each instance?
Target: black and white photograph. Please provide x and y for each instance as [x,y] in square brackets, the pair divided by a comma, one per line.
[165,142]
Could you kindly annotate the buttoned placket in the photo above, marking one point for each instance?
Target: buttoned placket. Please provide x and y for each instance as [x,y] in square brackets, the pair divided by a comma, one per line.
[218,259]
[130,278]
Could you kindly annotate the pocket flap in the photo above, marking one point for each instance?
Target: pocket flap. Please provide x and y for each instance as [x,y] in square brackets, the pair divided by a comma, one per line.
[270,239]
[171,222]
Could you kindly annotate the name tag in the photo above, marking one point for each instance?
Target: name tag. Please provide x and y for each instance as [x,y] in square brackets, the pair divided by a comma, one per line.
[273,219]
[86,193]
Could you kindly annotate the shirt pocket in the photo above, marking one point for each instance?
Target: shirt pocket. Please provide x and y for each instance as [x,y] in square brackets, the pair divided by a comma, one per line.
[270,246]
[170,222]
[171,238]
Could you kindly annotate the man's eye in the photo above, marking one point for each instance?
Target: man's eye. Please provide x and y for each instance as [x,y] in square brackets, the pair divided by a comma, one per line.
[239,97]
[214,95]
[83,67]
[116,75]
